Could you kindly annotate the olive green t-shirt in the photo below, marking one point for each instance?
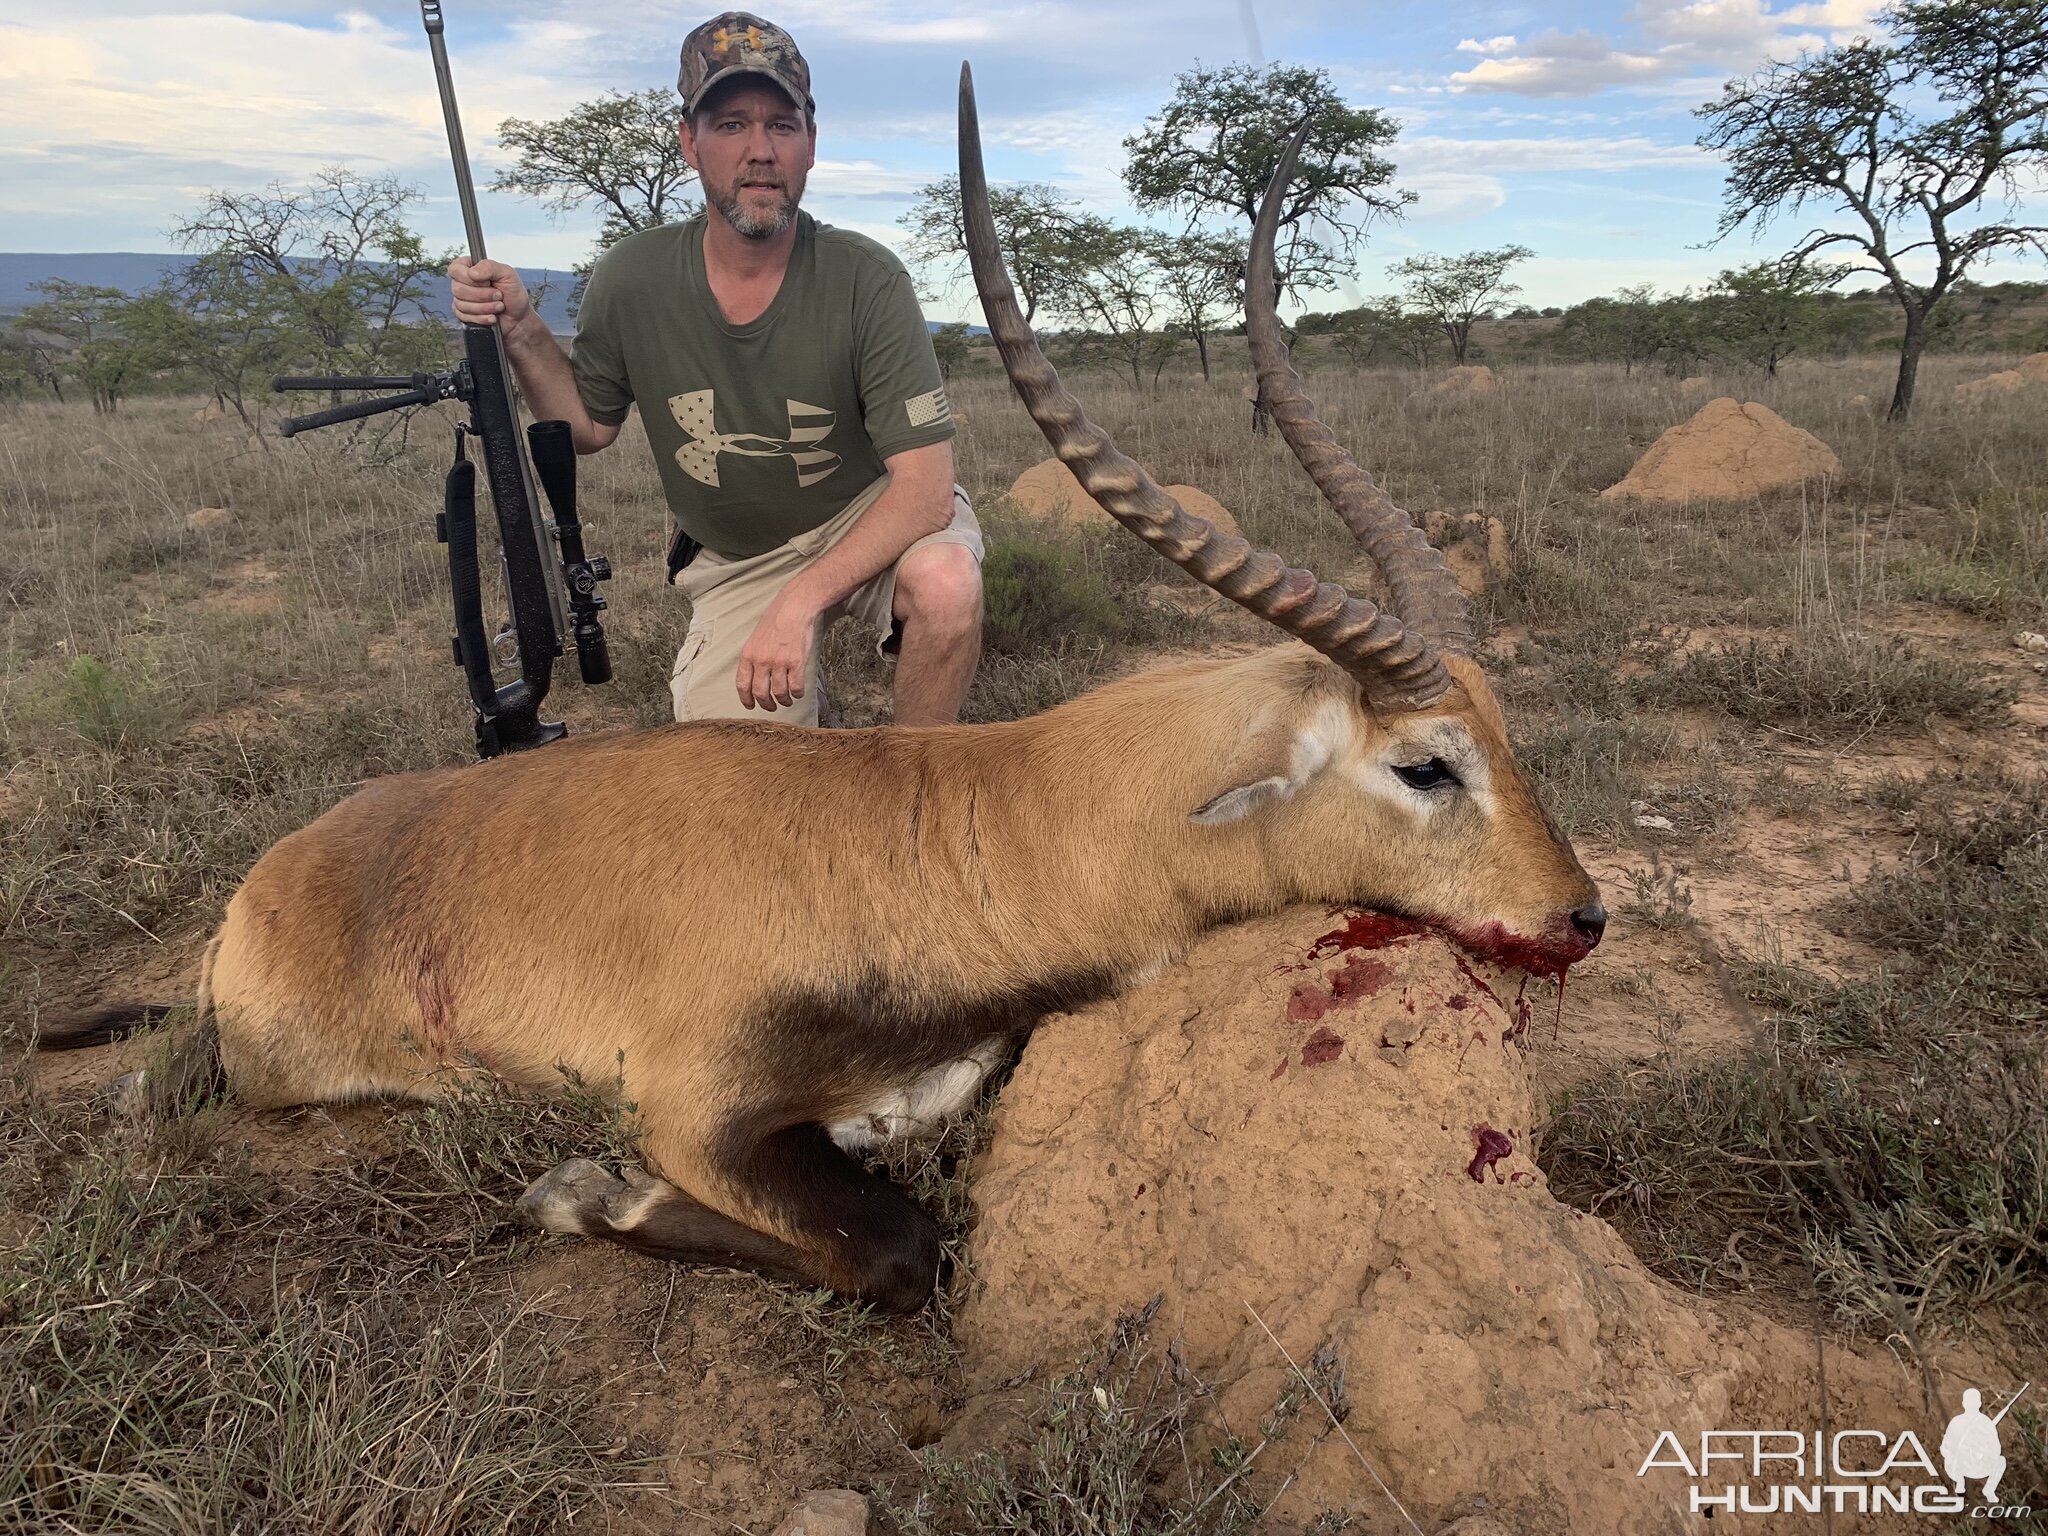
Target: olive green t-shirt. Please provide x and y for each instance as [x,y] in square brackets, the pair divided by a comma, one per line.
[766,430]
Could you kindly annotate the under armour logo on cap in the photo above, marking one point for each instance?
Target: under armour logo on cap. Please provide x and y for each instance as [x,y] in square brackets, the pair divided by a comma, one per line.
[741,44]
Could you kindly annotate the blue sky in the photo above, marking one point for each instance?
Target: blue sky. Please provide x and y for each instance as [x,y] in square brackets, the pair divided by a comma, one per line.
[1563,128]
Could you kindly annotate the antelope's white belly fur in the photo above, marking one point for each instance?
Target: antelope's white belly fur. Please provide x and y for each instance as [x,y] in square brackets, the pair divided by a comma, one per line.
[920,1106]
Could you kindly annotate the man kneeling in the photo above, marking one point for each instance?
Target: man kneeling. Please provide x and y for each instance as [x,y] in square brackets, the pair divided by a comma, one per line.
[791,395]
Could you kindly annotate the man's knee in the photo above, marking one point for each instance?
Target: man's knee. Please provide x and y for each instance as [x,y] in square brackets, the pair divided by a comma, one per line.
[938,588]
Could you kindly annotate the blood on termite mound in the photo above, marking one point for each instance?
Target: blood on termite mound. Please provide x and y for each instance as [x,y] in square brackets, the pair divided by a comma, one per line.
[1386,1207]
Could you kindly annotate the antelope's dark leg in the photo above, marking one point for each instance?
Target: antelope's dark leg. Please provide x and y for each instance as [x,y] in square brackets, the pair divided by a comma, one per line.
[848,1230]
[863,1236]
[652,1217]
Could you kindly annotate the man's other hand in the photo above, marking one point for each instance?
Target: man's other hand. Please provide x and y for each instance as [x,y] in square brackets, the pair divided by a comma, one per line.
[486,291]
[777,655]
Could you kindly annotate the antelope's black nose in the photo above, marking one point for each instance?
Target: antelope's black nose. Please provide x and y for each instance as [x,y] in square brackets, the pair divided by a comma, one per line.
[1590,920]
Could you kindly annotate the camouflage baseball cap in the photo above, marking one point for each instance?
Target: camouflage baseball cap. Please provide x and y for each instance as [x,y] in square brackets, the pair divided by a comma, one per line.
[739,44]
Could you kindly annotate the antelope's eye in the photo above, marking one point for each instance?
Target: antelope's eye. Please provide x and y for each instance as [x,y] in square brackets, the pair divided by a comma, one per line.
[1434,774]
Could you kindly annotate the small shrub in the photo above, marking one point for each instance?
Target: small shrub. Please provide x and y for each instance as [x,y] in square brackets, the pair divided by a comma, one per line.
[112,711]
[1659,900]
[1833,682]
[1039,594]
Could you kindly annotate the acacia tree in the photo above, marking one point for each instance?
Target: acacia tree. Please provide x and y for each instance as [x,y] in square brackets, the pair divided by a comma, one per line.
[16,371]
[1212,149]
[949,344]
[345,281]
[622,153]
[1035,230]
[230,327]
[1201,281]
[1634,326]
[1455,291]
[86,318]
[1112,290]
[1905,139]
[1764,312]
[39,356]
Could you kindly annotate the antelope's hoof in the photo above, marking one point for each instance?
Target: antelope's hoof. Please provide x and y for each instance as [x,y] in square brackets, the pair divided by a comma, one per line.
[571,1197]
[128,1097]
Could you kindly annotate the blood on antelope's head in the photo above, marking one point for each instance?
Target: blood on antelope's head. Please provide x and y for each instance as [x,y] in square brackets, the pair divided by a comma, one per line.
[1396,786]
[1422,812]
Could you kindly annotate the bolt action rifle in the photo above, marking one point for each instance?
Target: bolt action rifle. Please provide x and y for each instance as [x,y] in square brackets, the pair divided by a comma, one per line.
[550,588]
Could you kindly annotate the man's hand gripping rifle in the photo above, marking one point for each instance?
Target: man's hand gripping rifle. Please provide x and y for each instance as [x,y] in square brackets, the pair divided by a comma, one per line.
[550,589]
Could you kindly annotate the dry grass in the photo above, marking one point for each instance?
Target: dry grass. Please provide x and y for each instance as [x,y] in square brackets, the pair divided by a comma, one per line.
[173,700]
[370,1371]
[1125,1444]
[1920,1084]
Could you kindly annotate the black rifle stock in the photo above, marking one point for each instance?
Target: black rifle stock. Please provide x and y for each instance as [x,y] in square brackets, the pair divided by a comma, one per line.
[550,581]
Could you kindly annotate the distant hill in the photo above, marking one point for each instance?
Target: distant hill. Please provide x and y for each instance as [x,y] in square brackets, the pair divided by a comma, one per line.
[133,271]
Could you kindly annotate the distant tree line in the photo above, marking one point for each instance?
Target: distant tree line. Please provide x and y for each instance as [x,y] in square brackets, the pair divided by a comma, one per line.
[1912,151]
[327,278]
[1754,316]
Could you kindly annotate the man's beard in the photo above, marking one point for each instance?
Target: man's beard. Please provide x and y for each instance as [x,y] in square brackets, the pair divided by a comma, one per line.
[750,224]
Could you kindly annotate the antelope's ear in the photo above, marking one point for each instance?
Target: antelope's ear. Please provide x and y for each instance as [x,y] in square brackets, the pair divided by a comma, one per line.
[1270,767]
[1277,758]
[1239,802]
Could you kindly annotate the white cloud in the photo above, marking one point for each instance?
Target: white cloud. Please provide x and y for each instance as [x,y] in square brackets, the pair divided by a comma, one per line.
[271,97]
[110,134]
[1446,195]
[1559,74]
[1426,154]
[1673,38]
[1456,179]
[864,179]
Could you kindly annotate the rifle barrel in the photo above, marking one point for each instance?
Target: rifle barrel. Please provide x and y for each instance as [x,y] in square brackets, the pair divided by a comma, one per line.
[465,188]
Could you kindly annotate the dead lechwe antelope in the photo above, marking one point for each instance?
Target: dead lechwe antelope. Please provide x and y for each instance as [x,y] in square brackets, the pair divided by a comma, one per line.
[803,942]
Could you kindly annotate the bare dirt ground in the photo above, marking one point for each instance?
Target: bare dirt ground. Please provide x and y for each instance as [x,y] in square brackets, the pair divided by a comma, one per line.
[175,698]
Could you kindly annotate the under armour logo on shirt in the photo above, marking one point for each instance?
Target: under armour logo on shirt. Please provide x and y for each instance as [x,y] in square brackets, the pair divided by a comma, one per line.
[809,426]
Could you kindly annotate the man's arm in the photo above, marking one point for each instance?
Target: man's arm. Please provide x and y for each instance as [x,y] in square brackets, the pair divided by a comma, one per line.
[917,500]
[491,293]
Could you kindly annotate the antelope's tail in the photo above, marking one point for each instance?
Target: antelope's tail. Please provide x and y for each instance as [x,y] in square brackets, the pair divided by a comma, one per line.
[99,1026]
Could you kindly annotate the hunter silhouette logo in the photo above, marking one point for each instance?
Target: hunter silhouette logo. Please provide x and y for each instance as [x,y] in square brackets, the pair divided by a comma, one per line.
[1970,1448]
[809,426]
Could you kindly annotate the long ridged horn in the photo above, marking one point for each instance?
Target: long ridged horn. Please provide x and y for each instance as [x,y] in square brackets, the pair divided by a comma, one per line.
[1422,589]
[1395,671]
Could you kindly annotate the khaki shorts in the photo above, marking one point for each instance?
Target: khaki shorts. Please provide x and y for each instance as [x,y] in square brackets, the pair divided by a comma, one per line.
[728,597]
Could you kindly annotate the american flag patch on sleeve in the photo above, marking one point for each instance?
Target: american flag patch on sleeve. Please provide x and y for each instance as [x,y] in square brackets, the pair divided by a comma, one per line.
[927,408]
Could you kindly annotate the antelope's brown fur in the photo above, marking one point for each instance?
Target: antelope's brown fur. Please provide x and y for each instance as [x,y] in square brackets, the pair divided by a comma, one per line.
[764,928]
